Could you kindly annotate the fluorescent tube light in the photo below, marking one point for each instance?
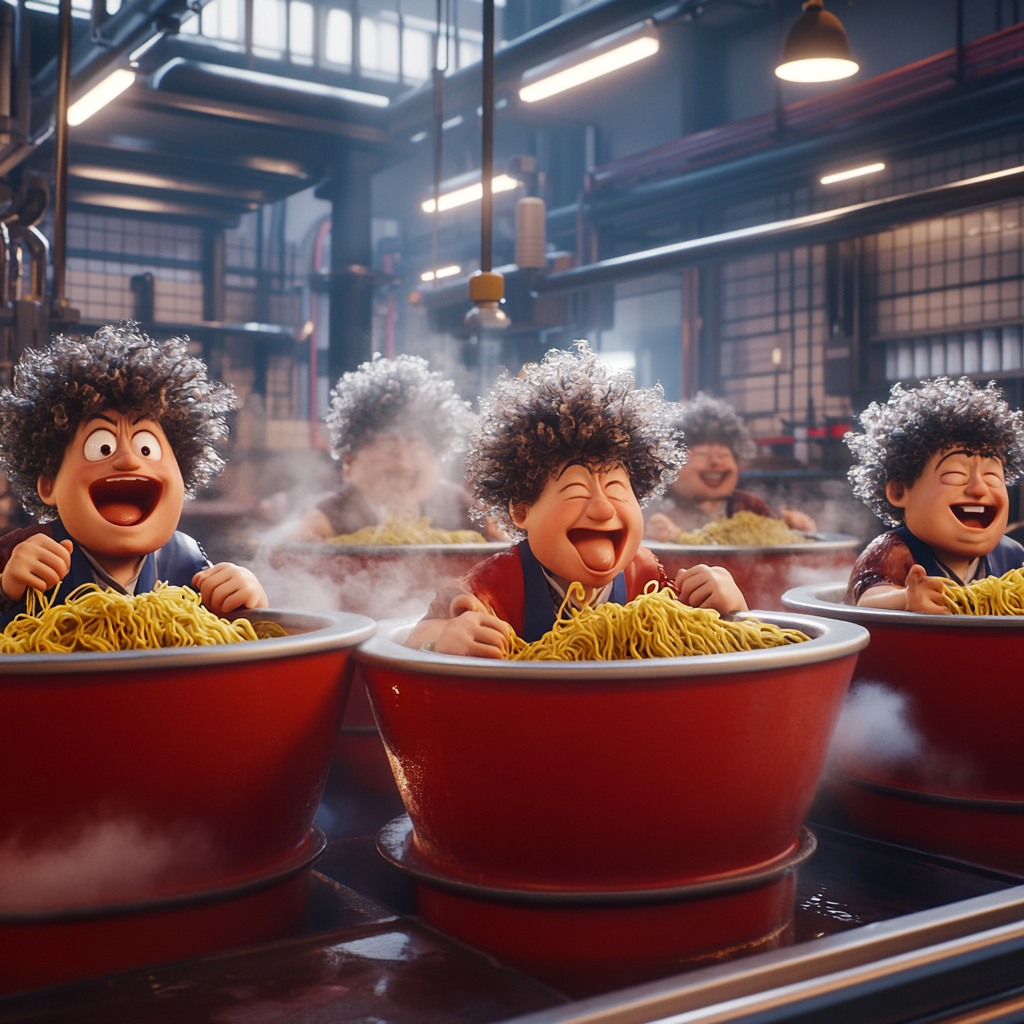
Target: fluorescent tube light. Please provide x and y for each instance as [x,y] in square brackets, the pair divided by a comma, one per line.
[97,98]
[471,193]
[133,57]
[443,272]
[854,172]
[590,62]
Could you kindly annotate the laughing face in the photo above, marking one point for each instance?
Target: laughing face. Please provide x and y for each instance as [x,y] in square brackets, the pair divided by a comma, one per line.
[710,473]
[395,471]
[118,491]
[585,526]
[957,506]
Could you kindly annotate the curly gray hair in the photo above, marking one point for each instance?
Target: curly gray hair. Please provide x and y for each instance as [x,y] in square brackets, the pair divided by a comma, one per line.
[707,420]
[569,408]
[399,395]
[120,368]
[901,436]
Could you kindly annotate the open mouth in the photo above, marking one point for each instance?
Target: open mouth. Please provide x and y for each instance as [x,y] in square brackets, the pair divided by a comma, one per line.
[978,517]
[402,483]
[598,549]
[126,500]
[714,480]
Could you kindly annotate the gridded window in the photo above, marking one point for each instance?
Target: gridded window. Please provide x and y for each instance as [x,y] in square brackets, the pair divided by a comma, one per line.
[338,37]
[959,271]
[773,329]
[417,55]
[378,48]
[269,27]
[223,19]
[993,350]
[300,32]
[101,290]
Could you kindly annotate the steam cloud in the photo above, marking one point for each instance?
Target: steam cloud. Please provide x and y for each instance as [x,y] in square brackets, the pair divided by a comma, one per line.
[110,861]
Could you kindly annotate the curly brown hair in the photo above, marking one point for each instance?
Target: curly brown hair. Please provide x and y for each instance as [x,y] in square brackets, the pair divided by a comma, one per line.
[901,436]
[568,409]
[119,368]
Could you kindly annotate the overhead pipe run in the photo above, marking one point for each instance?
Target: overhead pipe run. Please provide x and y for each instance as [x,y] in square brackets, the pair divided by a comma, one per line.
[811,229]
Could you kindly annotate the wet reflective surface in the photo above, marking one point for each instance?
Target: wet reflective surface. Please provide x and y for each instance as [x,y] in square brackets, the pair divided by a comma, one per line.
[363,958]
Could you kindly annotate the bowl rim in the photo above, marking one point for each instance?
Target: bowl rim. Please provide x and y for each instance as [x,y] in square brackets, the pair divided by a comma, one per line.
[830,639]
[395,843]
[482,548]
[822,542]
[331,630]
[810,600]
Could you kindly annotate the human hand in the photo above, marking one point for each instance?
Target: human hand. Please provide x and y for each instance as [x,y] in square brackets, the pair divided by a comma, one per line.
[39,562]
[710,586]
[226,587]
[797,520]
[660,527]
[472,630]
[925,593]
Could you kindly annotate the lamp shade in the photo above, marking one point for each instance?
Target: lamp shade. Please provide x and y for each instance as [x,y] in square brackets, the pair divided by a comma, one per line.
[816,48]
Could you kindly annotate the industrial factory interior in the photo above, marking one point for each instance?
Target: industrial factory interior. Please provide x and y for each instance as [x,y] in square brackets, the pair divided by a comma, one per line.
[511,510]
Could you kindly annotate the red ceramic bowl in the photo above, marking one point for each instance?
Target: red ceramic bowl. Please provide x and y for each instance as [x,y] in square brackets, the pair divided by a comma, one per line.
[608,775]
[584,943]
[382,580]
[144,776]
[764,574]
[955,680]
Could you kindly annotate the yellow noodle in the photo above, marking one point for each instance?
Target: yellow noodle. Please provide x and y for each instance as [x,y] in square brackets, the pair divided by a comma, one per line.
[654,625]
[95,619]
[994,595]
[745,528]
[400,531]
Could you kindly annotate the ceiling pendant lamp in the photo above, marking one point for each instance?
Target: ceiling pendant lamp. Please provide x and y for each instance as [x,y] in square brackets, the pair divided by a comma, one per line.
[816,48]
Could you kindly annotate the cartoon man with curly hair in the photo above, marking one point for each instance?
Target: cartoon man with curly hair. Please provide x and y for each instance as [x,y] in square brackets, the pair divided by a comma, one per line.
[103,439]
[393,422]
[934,463]
[717,440]
[562,458]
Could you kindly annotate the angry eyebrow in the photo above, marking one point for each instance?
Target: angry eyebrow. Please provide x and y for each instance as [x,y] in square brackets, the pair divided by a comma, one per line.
[104,417]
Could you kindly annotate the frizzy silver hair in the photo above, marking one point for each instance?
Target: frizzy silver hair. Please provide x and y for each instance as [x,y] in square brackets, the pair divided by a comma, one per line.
[569,408]
[399,395]
[901,436]
[708,420]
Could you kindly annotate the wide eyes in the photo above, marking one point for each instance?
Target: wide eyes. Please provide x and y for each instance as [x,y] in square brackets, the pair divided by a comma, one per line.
[100,444]
[146,445]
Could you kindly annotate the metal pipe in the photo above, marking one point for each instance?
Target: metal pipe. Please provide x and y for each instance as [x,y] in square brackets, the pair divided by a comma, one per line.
[487,143]
[812,229]
[36,243]
[532,48]
[959,73]
[60,197]
[962,117]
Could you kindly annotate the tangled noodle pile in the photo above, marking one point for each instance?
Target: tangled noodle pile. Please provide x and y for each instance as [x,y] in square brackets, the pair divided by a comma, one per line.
[747,529]
[994,595]
[654,625]
[400,531]
[102,620]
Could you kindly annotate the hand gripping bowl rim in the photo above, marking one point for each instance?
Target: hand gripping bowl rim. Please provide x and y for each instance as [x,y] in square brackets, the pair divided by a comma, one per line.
[835,639]
[821,543]
[332,630]
[809,600]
